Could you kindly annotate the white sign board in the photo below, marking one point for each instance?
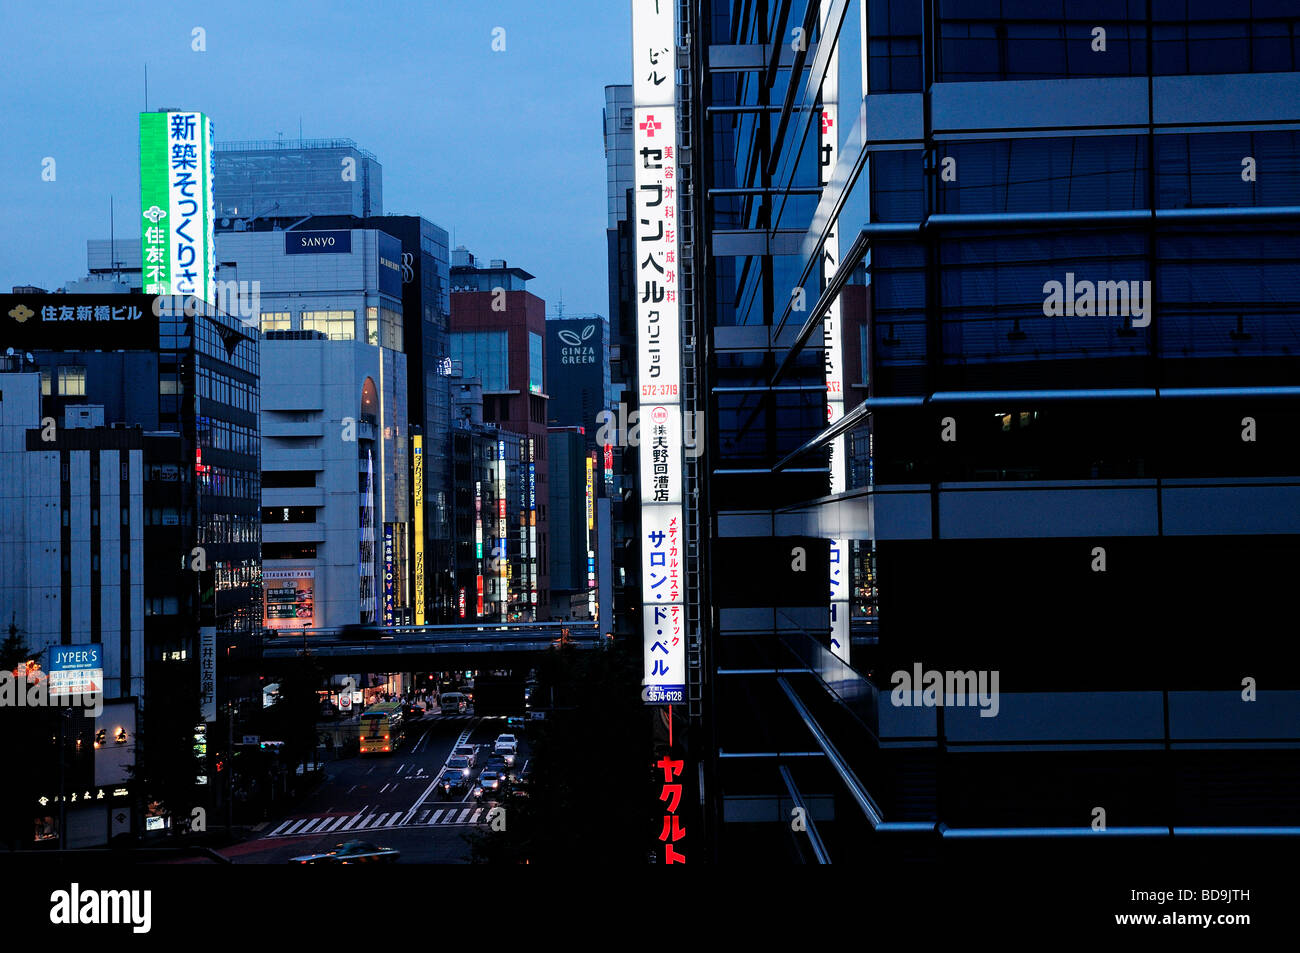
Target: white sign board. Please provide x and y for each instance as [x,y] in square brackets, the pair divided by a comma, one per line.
[655,289]
[208,672]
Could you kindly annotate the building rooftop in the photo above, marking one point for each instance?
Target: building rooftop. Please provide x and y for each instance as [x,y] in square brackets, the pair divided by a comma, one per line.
[269,145]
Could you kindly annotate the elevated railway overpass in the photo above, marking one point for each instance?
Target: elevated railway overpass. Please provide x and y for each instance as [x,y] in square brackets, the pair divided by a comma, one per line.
[405,648]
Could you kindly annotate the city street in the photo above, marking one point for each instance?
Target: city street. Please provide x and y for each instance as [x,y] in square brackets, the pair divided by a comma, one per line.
[389,800]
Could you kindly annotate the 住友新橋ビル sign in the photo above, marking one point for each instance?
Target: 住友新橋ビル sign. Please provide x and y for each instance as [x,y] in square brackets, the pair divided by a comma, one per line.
[79,322]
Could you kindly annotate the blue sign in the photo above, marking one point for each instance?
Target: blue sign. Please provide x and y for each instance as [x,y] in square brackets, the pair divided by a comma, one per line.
[67,658]
[318,243]
[76,669]
[388,574]
[390,265]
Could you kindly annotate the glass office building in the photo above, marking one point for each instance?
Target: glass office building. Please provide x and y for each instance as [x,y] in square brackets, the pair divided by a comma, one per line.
[296,177]
[1003,305]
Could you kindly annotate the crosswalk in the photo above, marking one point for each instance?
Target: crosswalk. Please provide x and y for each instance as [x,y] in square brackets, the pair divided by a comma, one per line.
[458,814]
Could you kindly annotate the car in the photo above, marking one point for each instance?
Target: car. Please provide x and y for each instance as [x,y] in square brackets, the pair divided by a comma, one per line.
[451,780]
[460,763]
[413,711]
[497,763]
[469,752]
[507,746]
[351,852]
[489,783]
[452,703]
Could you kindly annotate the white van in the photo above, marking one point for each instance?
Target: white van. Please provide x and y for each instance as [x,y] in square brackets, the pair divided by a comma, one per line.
[452,703]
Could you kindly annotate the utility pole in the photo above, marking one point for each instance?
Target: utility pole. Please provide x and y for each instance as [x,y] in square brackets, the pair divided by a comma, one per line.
[230,767]
[64,715]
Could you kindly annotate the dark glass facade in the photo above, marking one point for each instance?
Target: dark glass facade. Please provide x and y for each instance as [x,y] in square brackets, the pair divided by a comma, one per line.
[1062,495]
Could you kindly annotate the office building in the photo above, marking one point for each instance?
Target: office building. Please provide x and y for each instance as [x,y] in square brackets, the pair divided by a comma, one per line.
[295,178]
[494,505]
[577,353]
[572,503]
[152,417]
[336,467]
[1060,266]
[498,334]
[619,471]
[425,316]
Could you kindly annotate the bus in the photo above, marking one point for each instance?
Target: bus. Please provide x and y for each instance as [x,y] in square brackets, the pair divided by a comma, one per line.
[381,728]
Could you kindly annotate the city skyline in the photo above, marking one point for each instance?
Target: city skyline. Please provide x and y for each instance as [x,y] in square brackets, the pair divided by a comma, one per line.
[79,98]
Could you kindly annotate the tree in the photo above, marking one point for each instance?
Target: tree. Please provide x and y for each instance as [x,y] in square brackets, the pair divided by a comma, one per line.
[13,650]
[167,766]
[26,742]
[294,715]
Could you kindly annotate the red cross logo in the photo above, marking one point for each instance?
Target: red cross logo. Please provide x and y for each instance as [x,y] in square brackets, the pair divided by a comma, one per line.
[649,126]
[827,122]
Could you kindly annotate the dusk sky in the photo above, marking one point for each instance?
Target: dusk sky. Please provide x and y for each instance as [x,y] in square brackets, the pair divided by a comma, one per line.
[503,149]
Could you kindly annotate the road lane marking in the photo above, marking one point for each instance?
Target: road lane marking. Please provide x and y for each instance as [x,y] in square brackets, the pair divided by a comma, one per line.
[309,825]
[337,824]
[474,819]
[277,829]
[292,827]
[394,819]
[463,814]
[383,789]
[351,789]
[356,818]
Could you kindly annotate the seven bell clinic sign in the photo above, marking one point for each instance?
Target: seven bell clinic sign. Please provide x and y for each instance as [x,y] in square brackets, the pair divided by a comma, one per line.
[654,156]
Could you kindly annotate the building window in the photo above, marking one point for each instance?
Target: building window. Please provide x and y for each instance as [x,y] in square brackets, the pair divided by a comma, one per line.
[335,325]
[72,382]
[288,514]
[390,329]
[534,363]
[485,355]
[276,320]
[372,326]
[45,382]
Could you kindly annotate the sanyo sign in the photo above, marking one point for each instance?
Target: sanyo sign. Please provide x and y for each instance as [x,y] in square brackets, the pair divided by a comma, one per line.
[317,243]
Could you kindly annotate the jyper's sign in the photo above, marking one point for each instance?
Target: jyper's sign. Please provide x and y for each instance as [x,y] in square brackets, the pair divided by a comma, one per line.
[76,669]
